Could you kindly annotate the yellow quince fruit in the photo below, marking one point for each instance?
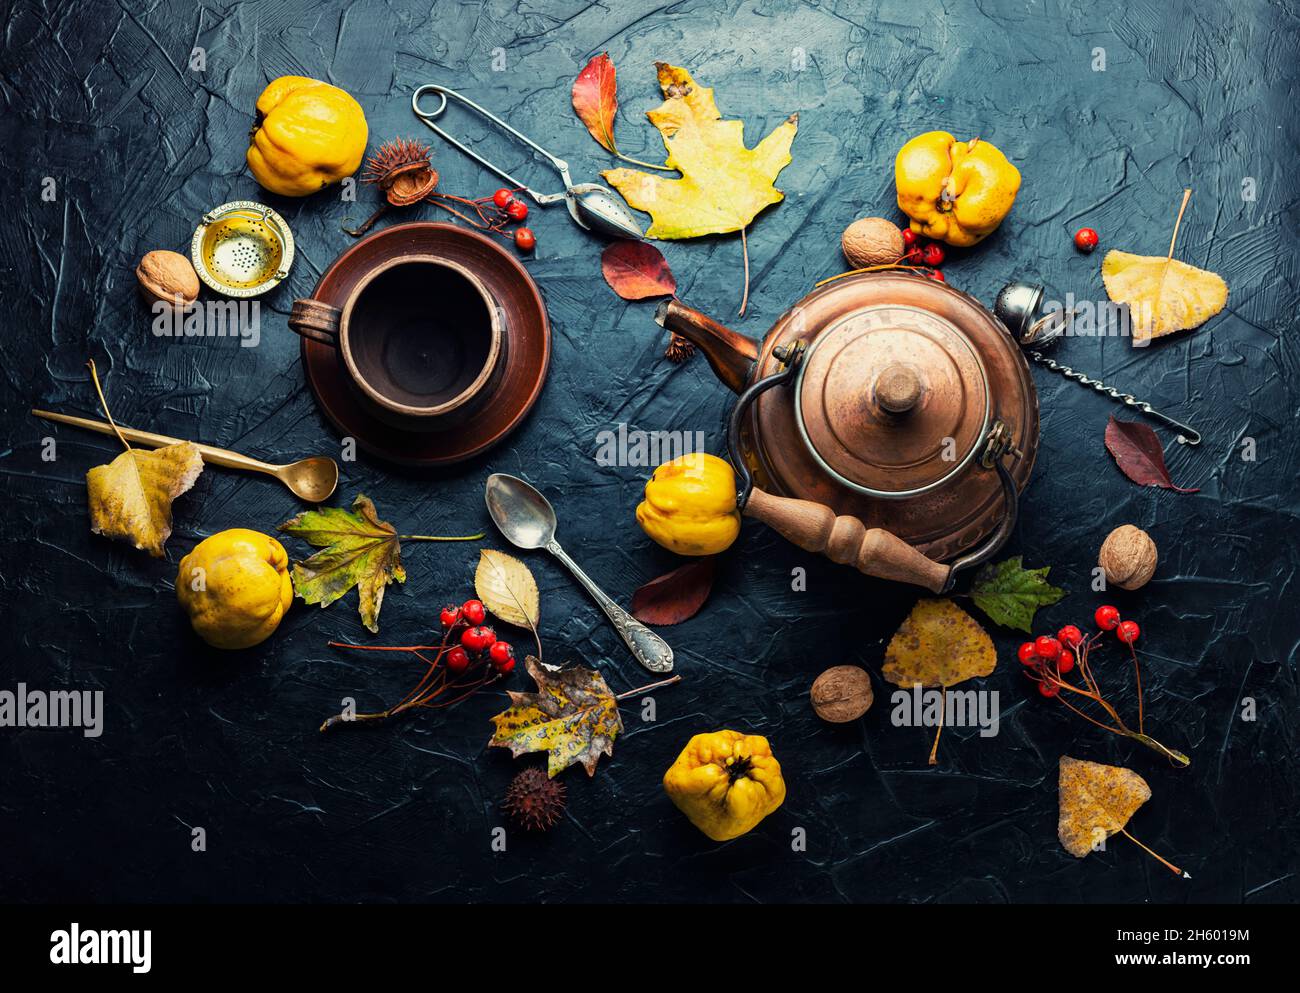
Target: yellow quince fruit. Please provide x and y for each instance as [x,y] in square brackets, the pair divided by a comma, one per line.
[725,782]
[308,134]
[235,586]
[690,505]
[954,191]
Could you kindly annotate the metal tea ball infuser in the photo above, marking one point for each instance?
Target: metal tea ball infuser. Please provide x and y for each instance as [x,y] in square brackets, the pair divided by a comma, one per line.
[593,207]
[1019,308]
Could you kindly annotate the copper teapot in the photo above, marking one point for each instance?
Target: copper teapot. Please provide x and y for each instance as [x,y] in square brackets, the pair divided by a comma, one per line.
[887,421]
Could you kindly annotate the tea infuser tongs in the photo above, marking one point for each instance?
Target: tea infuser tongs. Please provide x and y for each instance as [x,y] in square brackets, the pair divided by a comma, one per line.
[592,206]
[1018,307]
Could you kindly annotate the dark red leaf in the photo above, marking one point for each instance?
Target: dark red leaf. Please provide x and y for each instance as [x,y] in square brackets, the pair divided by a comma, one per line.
[595,99]
[636,270]
[1139,455]
[675,597]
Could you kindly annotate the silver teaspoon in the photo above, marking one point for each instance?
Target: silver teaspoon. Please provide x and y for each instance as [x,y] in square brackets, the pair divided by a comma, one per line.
[527,520]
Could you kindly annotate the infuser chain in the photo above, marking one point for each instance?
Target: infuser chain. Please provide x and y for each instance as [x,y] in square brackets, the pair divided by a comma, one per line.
[1039,331]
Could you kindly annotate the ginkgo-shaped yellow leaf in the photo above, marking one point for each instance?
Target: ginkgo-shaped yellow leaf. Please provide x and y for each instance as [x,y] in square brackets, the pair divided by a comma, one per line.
[131,497]
[939,644]
[1163,294]
[1096,801]
[723,183]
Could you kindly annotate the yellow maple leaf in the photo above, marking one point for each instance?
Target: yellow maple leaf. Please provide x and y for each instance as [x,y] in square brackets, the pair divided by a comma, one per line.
[131,497]
[1096,801]
[723,184]
[1164,295]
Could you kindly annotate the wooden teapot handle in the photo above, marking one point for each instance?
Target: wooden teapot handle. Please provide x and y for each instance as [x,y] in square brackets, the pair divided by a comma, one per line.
[876,552]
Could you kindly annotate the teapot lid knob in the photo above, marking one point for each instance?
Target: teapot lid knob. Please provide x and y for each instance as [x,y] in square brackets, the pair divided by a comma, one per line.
[898,388]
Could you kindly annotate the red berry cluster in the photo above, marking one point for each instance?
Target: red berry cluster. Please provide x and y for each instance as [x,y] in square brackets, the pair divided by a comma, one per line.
[1047,659]
[916,252]
[1048,656]
[1107,618]
[476,639]
[511,208]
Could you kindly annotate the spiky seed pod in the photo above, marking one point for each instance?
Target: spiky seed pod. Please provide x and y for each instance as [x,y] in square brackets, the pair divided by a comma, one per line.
[534,801]
[401,169]
[679,349]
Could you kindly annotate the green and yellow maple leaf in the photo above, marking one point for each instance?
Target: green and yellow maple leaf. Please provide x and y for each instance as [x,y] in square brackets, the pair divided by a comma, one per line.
[723,184]
[357,549]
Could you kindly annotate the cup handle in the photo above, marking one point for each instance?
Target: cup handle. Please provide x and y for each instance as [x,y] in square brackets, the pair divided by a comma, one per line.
[874,551]
[315,320]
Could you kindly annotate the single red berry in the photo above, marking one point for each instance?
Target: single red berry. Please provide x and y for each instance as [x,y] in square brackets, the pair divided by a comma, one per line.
[503,198]
[478,638]
[1085,239]
[932,254]
[1048,688]
[937,275]
[909,237]
[516,210]
[473,611]
[449,616]
[1047,647]
[1070,635]
[1065,662]
[504,667]
[1107,618]
[1028,654]
[457,660]
[525,240]
[500,652]
[1128,632]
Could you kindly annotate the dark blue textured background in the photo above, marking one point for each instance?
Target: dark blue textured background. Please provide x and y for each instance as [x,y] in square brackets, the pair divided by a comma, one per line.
[100,97]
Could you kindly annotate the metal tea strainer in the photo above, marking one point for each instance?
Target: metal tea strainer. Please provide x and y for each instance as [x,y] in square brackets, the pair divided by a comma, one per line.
[592,206]
[242,249]
[1019,308]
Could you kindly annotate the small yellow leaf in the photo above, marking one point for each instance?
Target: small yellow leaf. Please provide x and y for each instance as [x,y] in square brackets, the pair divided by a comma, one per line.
[723,183]
[131,497]
[1163,294]
[1096,801]
[507,588]
[939,644]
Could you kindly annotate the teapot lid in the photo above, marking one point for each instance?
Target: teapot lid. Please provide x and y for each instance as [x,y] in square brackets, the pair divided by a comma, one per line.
[893,400]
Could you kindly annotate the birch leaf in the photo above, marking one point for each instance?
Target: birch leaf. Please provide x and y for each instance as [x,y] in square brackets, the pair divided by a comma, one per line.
[507,588]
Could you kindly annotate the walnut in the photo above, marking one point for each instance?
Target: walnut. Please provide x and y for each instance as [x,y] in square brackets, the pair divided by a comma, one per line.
[1128,557]
[169,277]
[872,241]
[842,694]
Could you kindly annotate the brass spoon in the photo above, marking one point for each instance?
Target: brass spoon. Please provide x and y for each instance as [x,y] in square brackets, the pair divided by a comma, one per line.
[312,479]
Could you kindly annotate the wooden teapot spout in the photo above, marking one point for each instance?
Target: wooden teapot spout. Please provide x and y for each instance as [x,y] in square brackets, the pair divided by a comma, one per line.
[731,355]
